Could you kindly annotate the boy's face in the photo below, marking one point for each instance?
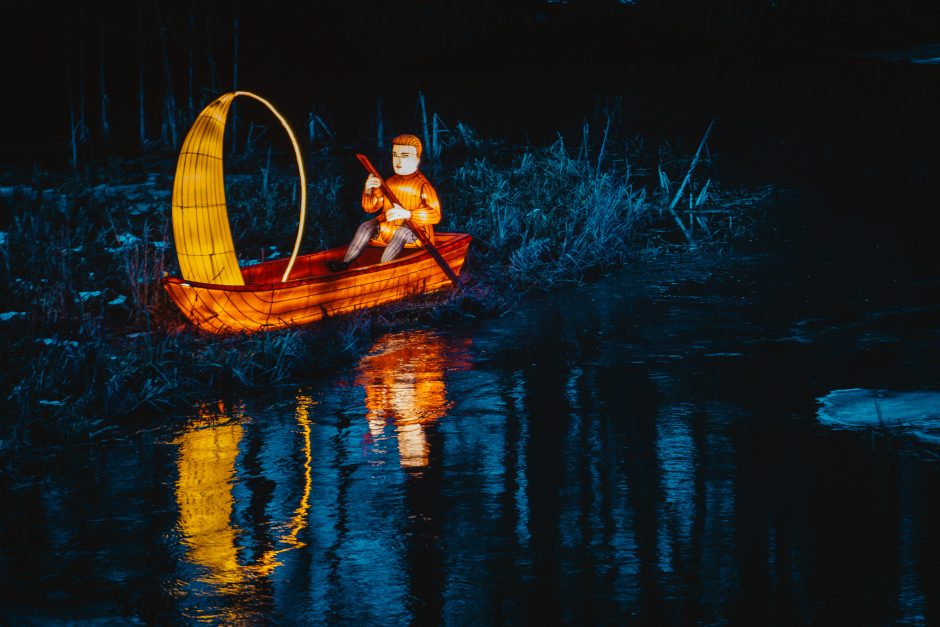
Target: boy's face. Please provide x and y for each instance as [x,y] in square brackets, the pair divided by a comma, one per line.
[405,159]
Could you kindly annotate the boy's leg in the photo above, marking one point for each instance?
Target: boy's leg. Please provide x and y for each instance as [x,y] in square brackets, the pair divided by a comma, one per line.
[365,232]
[402,236]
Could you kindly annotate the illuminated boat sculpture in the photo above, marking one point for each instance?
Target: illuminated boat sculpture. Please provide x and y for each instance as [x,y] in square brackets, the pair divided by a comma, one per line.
[219,296]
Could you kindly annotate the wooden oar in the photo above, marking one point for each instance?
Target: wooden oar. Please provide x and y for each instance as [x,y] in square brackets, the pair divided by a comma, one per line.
[419,232]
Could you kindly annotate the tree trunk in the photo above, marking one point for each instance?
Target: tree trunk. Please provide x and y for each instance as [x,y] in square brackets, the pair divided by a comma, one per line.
[235,78]
[189,84]
[142,120]
[105,127]
[73,127]
[82,118]
[213,76]
[379,132]
[170,108]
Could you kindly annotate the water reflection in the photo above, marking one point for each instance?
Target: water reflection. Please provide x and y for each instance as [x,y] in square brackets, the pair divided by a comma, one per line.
[234,546]
[403,379]
[204,494]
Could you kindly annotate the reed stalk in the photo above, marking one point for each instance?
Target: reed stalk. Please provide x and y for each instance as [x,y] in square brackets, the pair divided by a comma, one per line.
[685,181]
[424,121]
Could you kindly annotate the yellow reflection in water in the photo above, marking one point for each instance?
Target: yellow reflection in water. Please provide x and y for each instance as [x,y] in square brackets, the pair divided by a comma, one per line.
[207,468]
[403,377]
[204,493]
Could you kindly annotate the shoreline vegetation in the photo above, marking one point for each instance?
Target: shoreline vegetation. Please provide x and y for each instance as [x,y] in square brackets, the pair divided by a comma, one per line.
[94,345]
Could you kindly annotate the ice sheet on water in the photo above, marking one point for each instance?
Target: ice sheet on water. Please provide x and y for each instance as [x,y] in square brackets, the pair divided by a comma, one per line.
[86,296]
[926,53]
[917,413]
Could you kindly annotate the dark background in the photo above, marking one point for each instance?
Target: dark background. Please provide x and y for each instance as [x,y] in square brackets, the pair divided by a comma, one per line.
[519,70]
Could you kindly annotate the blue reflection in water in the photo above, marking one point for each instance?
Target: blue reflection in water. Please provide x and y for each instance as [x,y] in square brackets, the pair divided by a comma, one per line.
[376,554]
[522,443]
[676,453]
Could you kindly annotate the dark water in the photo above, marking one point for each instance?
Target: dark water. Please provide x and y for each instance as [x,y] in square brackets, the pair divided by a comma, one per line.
[643,449]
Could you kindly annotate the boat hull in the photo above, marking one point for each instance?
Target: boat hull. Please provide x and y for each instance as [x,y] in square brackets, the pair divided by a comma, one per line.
[312,291]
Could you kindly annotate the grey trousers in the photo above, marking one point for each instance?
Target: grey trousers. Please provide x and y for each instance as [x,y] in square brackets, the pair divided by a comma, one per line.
[368,230]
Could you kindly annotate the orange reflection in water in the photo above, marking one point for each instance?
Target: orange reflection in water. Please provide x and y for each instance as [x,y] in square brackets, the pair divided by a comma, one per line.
[208,451]
[403,377]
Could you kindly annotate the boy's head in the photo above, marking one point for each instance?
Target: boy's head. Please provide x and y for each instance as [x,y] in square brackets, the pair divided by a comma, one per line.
[406,154]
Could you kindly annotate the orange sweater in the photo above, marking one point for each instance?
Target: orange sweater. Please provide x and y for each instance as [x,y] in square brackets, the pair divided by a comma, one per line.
[417,195]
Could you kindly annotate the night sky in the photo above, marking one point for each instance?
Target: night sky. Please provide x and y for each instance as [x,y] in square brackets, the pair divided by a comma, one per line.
[337,57]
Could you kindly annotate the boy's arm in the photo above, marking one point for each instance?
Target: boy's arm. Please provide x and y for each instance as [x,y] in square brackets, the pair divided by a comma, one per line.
[429,211]
[374,201]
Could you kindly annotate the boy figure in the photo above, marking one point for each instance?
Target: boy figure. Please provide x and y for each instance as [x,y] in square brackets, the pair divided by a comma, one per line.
[415,193]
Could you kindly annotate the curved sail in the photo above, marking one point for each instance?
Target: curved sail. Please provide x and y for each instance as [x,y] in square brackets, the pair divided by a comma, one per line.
[201,228]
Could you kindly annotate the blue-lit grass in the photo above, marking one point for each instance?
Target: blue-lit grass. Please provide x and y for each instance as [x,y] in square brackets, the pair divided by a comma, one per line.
[92,341]
[547,217]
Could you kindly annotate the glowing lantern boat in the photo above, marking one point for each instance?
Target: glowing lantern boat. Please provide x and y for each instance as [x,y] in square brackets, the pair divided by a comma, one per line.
[220,297]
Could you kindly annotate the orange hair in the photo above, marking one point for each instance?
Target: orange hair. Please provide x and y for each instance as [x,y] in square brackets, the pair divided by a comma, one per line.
[408,140]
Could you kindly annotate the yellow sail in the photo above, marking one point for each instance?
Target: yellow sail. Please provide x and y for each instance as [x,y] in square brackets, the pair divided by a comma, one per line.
[201,227]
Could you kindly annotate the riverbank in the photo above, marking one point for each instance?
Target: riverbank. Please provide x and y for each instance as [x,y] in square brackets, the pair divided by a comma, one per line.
[94,343]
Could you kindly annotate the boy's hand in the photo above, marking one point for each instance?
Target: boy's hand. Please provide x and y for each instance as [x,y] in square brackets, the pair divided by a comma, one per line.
[397,212]
[372,183]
